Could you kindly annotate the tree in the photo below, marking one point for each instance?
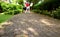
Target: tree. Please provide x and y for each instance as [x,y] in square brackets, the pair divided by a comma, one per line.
[48,4]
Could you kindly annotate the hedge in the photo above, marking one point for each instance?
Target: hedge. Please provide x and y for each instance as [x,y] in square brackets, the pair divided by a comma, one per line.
[8,8]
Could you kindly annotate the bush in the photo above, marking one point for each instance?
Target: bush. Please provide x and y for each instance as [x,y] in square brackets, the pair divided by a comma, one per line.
[50,6]
[53,13]
[56,13]
[11,8]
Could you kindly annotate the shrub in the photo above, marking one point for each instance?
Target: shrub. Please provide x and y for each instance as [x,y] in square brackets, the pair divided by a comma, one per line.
[56,13]
[53,13]
[11,8]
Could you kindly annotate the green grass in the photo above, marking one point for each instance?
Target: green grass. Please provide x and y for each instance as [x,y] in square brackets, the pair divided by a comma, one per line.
[4,17]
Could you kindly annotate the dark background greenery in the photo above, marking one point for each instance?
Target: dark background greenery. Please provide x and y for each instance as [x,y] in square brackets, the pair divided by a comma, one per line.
[48,7]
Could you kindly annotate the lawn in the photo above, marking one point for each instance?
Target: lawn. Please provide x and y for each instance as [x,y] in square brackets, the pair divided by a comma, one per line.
[4,17]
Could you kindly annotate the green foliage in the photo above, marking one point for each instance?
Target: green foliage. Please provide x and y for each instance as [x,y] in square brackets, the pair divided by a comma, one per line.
[53,13]
[56,13]
[4,17]
[34,1]
[11,8]
[48,7]
[0,7]
[20,1]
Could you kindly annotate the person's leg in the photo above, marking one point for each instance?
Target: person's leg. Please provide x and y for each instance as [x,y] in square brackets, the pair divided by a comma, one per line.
[29,9]
[26,10]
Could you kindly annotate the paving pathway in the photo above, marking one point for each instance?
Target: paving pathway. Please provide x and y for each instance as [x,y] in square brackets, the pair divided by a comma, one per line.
[31,25]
